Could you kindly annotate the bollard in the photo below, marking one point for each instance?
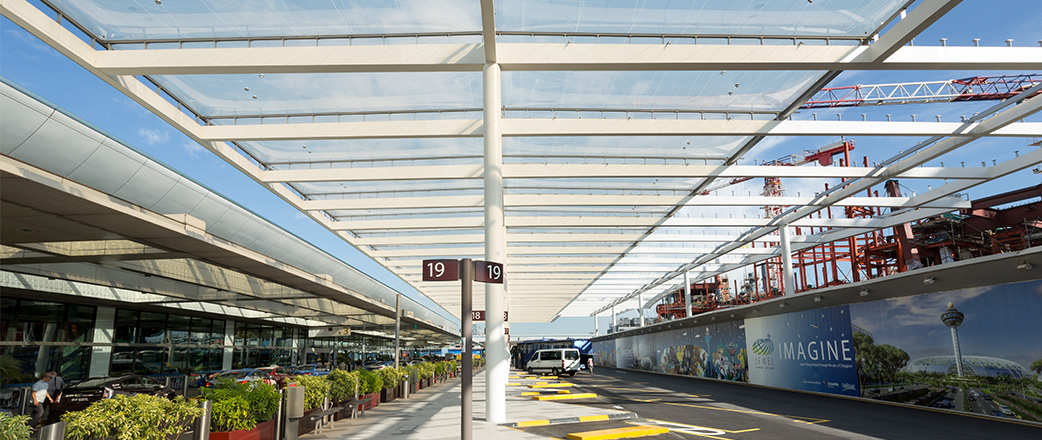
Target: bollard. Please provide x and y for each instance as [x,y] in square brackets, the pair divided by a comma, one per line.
[278,415]
[54,431]
[202,424]
[184,389]
[294,410]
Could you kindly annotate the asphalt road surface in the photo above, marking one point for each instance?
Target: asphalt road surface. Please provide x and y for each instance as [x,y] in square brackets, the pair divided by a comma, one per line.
[711,409]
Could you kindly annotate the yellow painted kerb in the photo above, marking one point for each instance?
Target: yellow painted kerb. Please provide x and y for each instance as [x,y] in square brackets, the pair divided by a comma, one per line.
[630,432]
[564,396]
[529,423]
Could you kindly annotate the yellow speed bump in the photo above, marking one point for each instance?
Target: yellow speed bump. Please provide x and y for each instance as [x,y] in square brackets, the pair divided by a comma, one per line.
[563,392]
[531,423]
[552,385]
[549,377]
[629,432]
[564,396]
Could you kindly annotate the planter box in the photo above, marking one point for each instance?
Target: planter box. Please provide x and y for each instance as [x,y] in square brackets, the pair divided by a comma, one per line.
[263,431]
[306,425]
[387,395]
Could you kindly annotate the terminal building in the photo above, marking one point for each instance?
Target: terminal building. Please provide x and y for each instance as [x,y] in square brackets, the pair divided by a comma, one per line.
[797,195]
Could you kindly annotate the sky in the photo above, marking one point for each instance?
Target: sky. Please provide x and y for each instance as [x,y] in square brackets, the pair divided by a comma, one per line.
[42,70]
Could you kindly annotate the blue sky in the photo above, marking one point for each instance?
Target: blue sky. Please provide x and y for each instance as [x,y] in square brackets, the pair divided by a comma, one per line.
[37,67]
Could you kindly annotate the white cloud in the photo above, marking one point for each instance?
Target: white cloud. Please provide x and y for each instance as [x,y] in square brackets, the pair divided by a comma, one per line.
[192,148]
[153,136]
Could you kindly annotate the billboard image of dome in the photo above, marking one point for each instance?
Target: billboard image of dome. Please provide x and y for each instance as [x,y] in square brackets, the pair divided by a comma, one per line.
[973,366]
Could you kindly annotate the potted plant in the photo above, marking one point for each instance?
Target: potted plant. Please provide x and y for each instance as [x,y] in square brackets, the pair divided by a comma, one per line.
[132,417]
[390,378]
[242,411]
[343,386]
[370,385]
[14,427]
[316,388]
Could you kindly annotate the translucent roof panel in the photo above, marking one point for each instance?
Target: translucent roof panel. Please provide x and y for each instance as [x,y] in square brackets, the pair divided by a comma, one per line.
[837,18]
[340,153]
[644,185]
[676,90]
[120,20]
[347,190]
[308,94]
[542,149]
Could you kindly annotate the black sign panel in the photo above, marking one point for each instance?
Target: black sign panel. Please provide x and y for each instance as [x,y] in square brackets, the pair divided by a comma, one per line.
[488,272]
[440,270]
[479,315]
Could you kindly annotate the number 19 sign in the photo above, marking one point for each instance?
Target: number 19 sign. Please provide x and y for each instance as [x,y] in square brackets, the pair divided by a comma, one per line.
[440,270]
[488,272]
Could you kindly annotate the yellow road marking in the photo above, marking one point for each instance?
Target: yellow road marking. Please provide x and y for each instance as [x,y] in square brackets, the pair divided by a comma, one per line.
[815,419]
[564,392]
[702,427]
[564,396]
[530,393]
[552,385]
[607,434]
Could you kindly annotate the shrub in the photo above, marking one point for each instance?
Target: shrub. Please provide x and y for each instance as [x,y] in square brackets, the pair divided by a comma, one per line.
[241,406]
[389,376]
[342,385]
[14,428]
[315,389]
[137,417]
[369,382]
[426,370]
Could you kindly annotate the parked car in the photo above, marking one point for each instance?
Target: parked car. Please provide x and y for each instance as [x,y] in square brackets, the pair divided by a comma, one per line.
[233,375]
[556,361]
[1005,410]
[373,366]
[996,413]
[82,394]
[310,370]
[275,375]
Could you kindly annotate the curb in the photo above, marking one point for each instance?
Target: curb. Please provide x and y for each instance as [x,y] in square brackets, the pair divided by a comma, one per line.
[565,420]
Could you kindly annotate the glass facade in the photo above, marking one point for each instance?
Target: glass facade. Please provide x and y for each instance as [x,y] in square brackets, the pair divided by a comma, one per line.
[46,336]
[50,336]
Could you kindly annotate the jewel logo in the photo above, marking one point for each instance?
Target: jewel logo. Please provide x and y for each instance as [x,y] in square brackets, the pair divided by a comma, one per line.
[763,347]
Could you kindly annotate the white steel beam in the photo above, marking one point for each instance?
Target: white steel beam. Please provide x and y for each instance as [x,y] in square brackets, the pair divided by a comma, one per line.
[516,127]
[537,200]
[419,172]
[293,59]
[556,57]
[910,25]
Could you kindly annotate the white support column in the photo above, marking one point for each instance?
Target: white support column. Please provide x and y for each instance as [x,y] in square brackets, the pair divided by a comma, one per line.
[614,324]
[687,296]
[640,307]
[397,329]
[786,258]
[104,329]
[596,331]
[229,349]
[497,359]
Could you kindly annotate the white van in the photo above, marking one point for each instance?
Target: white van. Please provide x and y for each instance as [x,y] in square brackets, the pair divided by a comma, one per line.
[556,361]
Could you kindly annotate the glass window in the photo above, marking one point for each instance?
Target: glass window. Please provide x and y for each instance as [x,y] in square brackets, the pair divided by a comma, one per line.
[79,327]
[126,326]
[40,321]
[152,328]
[551,356]
[178,328]
[217,332]
[571,355]
[8,329]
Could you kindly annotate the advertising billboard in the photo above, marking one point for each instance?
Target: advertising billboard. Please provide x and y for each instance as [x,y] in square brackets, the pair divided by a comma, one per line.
[811,351]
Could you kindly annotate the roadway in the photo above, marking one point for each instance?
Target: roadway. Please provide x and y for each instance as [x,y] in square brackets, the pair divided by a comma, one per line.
[710,409]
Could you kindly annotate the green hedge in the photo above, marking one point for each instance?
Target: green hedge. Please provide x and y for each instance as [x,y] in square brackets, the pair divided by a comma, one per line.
[369,382]
[14,428]
[342,385]
[241,405]
[137,417]
[315,389]
[389,376]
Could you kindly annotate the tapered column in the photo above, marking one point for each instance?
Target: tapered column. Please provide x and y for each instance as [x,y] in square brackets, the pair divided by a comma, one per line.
[640,307]
[397,330]
[596,331]
[497,367]
[786,259]
[687,296]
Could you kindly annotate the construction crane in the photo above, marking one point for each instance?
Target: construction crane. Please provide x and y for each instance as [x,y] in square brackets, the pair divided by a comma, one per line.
[823,156]
[975,88]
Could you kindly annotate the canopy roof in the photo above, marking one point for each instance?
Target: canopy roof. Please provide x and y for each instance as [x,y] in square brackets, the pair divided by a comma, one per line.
[615,117]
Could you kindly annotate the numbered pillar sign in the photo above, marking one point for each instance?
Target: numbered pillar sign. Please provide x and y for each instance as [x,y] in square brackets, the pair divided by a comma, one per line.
[440,270]
[488,272]
[477,315]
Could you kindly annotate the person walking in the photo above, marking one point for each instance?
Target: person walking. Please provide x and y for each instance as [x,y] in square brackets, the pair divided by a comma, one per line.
[589,364]
[40,395]
[54,388]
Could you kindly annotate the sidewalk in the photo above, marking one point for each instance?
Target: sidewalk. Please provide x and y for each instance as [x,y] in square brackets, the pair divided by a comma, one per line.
[434,413]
